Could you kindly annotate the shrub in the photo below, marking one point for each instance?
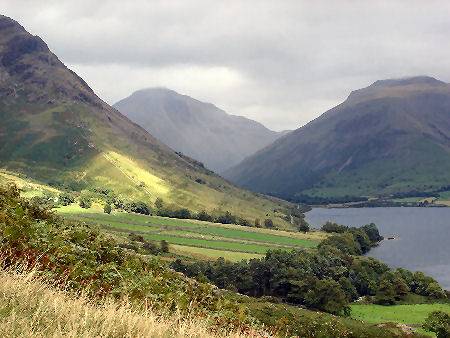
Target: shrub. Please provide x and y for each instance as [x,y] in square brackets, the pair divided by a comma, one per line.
[439,323]
[303,227]
[107,209]
[66,198]
[85,202]
[226,218]
[138,207]
[204,216]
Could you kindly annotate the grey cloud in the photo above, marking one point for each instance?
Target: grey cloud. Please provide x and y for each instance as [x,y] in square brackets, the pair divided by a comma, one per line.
[294,59]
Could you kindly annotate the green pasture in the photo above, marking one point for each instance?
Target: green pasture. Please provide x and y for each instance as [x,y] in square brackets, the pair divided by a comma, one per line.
[196,238]
[412,314]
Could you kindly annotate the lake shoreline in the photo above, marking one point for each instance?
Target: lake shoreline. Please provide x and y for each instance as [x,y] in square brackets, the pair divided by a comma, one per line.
[422,235]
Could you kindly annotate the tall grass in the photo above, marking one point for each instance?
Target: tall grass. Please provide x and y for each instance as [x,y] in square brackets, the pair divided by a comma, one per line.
[29,307]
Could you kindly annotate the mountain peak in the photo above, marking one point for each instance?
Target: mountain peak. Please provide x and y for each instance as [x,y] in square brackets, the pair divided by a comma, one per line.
[406,81]
[198,129]
[401,87]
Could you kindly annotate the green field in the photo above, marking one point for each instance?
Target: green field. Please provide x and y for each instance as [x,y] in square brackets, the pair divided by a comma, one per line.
[196,238]
[411,314]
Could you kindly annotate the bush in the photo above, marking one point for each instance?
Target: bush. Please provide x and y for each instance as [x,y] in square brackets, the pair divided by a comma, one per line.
[66,198]
[303,227]
[138,207]
[107,209]
[439,323]
[226,218]
[204,216]
[85,202]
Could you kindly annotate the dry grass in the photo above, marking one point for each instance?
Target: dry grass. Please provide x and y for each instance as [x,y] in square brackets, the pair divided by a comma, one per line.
[31,308]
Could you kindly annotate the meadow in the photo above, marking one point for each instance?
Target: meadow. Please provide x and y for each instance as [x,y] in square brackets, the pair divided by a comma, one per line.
[194,238]
[410,314]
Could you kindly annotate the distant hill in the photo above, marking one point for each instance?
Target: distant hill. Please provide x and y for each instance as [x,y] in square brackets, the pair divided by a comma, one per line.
[393,136]
[197,129]
[55,129]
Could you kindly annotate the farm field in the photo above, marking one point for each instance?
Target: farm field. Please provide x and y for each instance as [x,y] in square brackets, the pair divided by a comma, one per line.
[196,238]
[411,314]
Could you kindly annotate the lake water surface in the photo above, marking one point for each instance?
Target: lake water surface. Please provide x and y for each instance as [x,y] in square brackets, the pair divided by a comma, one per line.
[422,236]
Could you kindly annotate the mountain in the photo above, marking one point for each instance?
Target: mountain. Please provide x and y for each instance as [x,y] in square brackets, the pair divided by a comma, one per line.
[55,129]
[391,137]
[197,129]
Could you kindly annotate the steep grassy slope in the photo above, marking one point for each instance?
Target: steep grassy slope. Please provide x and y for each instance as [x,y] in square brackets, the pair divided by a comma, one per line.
[55,129]
[393,136]
[197,129]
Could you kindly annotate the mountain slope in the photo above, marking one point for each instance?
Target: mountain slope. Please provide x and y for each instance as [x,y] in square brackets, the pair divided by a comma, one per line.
[197,129]
[55,129]
[393,136]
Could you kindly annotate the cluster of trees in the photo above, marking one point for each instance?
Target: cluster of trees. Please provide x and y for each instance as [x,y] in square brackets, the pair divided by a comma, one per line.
[316,200]
[350,240]
[110,200]
[326,279]
[224,218]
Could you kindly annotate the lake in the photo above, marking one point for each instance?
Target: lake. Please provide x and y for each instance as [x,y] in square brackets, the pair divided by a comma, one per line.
[422,236]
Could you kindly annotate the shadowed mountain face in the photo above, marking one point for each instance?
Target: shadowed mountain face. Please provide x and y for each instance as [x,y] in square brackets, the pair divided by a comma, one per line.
[393,136]
[197,129]
[55,129]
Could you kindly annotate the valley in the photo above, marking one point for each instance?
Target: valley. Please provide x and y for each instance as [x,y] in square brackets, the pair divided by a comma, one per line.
[165,216]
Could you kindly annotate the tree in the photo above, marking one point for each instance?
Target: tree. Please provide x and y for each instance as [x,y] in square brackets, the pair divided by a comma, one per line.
[372,232]
[268,223]
[303,227]
[182,213]
[227,218]
[362,239]
[85,202]
[386,292]
[434,290]
[333,227]
[327,295]
[164,246]
[138,207]
[107,209]
[204,216]
[66,198]
[346,243]
[439,323]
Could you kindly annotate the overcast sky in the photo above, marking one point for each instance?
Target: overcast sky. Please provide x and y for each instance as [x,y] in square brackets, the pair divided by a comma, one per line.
[282,63]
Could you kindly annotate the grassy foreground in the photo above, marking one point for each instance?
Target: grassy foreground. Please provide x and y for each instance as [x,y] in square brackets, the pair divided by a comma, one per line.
[32,308]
